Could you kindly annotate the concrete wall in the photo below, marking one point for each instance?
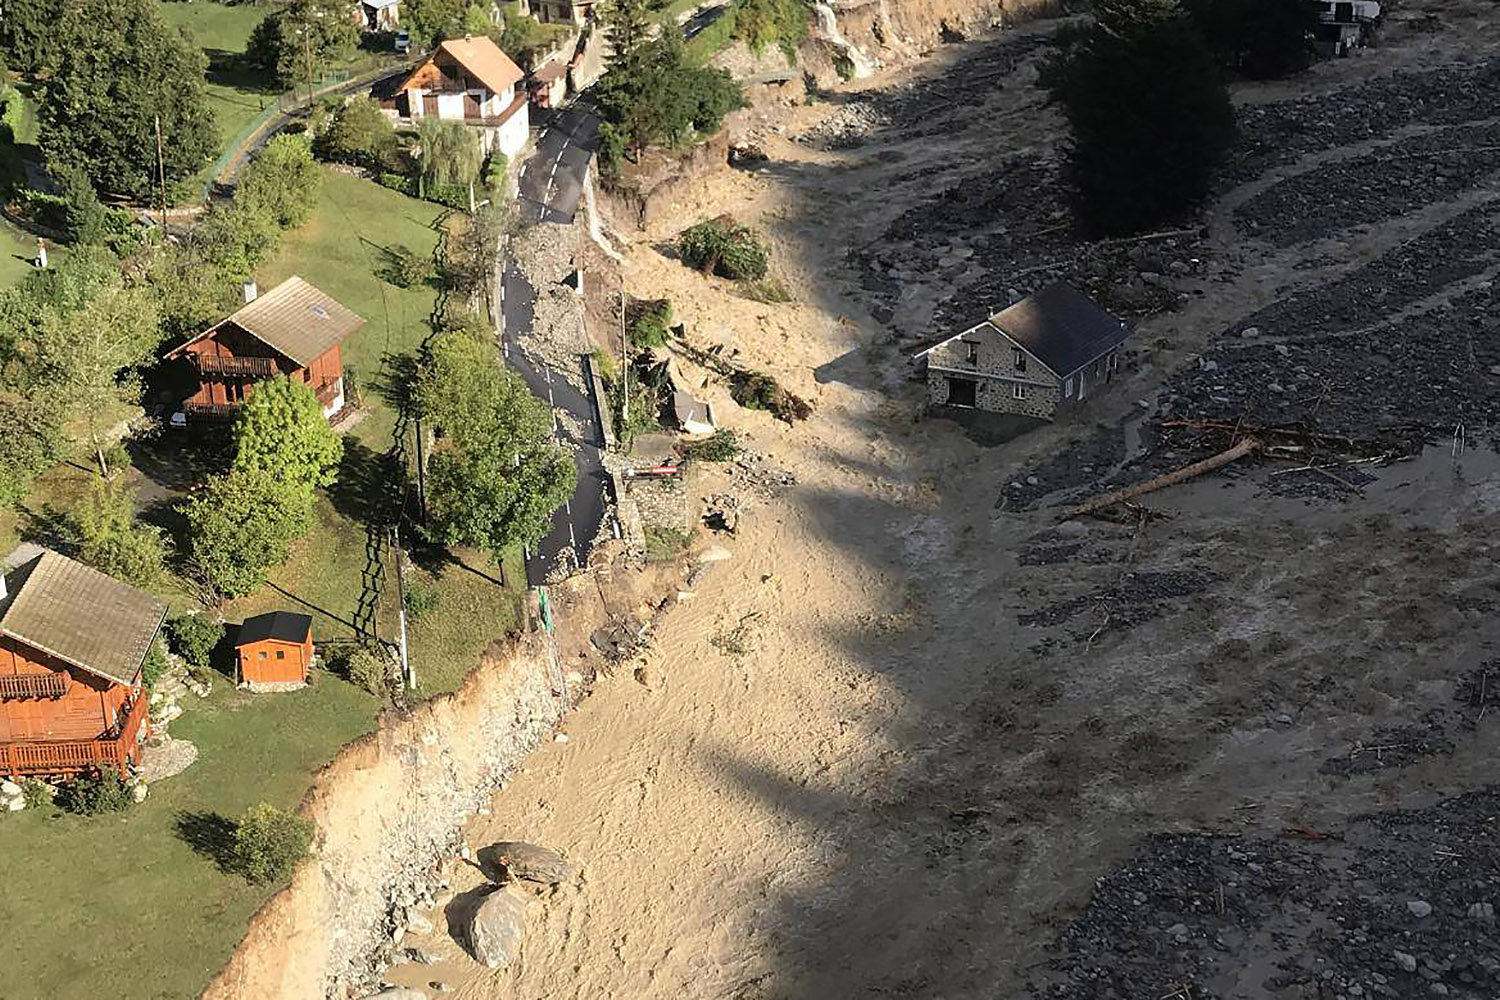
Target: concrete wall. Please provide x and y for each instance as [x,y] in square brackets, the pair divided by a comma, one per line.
[389,808]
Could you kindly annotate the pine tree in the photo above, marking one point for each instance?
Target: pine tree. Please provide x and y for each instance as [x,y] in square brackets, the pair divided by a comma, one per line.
[627,27]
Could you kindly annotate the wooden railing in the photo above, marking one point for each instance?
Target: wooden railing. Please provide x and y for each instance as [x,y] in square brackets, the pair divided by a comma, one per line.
[210,364]
[328,391]
[50,685]
[211,411]
[63,757]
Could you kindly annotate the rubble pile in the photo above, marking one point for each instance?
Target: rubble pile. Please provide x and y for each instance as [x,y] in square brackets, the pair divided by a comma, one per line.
[1400,904]
[1135,599]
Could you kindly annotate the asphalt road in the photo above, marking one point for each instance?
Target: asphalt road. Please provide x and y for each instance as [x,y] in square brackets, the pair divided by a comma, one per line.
[575,525]
[551,181]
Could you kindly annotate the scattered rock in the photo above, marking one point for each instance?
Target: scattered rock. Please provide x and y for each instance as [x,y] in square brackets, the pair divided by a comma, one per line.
[498,925]
[1482,911]
[417,922]
[1404,961]
[396,993]
[528,861]
[1420,908]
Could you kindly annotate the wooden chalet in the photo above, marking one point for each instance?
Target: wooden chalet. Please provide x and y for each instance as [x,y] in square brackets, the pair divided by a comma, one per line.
[273,651]
[72,642]
[294,329]
[468,80]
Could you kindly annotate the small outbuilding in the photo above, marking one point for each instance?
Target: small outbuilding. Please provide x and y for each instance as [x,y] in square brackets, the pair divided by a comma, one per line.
[1053,349]
[274,651]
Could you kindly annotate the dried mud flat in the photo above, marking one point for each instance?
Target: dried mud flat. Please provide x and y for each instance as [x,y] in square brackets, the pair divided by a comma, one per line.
[959,749]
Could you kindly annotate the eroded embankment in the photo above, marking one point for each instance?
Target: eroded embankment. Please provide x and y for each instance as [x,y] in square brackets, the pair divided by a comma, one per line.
[389,807]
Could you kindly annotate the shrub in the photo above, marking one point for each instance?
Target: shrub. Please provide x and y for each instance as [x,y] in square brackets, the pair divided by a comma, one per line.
[722,446]
[36,793]
[368,669]
[351,386]
[664,543]
[358,132]
[193,637]
[155,664]
[405,268]
[652,324]
[724,247]
[95,793]
[768,290]
[111,539]
[759,391]
[421,598]
[268,843]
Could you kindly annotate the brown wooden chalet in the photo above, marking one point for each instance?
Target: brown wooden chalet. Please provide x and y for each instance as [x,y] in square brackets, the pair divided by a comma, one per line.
[72,642]
[294,329]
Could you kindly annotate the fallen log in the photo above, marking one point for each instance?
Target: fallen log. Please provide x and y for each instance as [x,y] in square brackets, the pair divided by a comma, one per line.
[1223,458]
[1292,433]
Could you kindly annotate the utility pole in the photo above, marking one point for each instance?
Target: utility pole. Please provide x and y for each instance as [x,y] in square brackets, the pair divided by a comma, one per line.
[307,54]
[421,470]
[624,363]
[161,177]
[406,671]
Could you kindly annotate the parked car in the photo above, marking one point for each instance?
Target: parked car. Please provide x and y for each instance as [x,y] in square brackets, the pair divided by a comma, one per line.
[403,42]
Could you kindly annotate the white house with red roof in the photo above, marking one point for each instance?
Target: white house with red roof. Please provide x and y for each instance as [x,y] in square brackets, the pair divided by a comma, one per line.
[468,80]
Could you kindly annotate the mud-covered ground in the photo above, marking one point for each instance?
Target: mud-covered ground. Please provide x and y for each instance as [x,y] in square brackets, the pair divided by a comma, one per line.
[1240,745]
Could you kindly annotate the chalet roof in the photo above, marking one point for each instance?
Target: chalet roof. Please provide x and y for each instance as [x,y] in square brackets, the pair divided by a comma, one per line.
[296,318]
[1059,325]
[284,626]
[483,60]
[81,616]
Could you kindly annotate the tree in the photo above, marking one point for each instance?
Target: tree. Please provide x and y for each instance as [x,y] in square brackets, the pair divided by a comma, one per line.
[358,132]
[194,637]
[1260,39]
[268,843]
[111,539]
[628,28]
[1150,117]
[759,23]
[281,431]
[116,69]
[88,221]
[87,356]
[496,475]
[32,440]
[432,20]
[523,38]
[281,184]
[450,154]
[242,524]
[656,97]
[28,34]
[300,40]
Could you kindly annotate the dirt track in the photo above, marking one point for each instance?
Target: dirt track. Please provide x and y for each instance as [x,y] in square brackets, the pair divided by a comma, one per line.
[955,714]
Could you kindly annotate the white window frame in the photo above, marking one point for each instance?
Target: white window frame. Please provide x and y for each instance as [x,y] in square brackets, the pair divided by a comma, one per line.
[1017,390]
[1068,388]
[1019,360]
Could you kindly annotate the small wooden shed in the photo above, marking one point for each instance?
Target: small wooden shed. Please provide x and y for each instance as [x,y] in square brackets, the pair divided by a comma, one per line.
[274,651]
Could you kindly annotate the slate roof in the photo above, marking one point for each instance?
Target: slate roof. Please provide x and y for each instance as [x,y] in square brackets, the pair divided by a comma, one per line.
[1059,325]
[283,626]
[81,616]
[296,318]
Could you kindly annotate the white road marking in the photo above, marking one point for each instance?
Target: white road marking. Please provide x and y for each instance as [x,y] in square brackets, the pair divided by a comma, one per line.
[568,506]
[572,538]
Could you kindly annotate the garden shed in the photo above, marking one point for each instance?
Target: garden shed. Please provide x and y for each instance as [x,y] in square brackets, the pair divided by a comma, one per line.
[274,651]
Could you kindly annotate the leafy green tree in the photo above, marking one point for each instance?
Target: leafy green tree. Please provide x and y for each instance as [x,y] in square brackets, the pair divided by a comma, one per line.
[657,98]
[88,220]
[432,20]
[232,242]
[302,39]
[1260,39]
[358,132]
[32,441]
[28,35]
[524,38]
[268,843]
[242,524]
[281,183]
[477,20]
[117,68]
[495,475]
[281,431]
[759,23]
[88,356]
[111,539]
[194,637]
[1149,114]
[450,154]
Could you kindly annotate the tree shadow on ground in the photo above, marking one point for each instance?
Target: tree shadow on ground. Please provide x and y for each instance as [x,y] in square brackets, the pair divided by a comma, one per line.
[395,381]
[235,70]
[178,460]
[366,490]
[209,835]
[48,527]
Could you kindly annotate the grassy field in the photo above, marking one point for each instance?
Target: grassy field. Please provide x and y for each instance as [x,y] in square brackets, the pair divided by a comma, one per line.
[126,905]
[238,96]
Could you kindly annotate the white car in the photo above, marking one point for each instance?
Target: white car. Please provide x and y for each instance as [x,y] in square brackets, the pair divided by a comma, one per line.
[403,42]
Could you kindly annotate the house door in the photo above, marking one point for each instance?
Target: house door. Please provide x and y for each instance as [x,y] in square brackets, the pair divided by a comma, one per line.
[963,392]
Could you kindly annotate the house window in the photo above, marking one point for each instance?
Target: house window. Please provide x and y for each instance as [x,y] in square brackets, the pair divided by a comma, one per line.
[1067,388]
[963,392]
[973,352]
[307,374]
[1112,363]
[281,654]
[1020,359]
[1017,391]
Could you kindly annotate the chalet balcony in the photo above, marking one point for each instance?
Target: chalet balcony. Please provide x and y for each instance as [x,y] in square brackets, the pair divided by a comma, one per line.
[17,686]
[211,411]
[328,392]
[208,364]
[116,749]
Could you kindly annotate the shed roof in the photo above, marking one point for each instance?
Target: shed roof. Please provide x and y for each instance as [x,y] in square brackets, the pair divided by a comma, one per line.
[379,4]
[296,318]
[1059,325]
[481,57]
[81,616]
[283,626]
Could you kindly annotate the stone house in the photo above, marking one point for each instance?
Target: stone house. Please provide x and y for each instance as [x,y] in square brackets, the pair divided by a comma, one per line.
[1051,350]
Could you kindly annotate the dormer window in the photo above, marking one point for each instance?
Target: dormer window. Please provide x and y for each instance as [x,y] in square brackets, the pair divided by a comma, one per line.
[971,352]
[1020,360]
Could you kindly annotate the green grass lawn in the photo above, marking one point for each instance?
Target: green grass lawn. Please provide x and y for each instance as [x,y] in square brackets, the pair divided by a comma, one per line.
[123,905]
[18,250]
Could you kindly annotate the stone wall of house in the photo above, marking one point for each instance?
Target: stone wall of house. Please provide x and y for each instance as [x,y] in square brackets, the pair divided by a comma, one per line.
[983,350]
[995,396]
[389,808]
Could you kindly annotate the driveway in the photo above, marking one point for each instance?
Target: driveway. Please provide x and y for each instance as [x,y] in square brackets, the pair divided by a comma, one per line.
[551,181]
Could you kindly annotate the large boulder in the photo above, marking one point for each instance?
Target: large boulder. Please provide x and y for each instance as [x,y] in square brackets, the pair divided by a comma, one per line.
[499,922]
[521,860]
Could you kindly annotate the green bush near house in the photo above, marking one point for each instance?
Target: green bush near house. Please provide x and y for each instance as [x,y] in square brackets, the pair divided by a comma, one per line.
[95,794]
[268,843]
[367,669]
[193,637]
